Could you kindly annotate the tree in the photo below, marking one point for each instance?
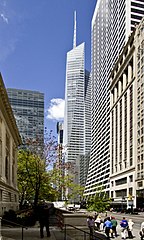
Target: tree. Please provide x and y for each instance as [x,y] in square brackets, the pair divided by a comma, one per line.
[40,176]
[31,175]
[34,161]
[99,202]
[64,182]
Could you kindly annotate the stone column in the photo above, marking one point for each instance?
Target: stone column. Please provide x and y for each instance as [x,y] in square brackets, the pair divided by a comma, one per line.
[120,87]
[124,80]
[129,73]
[115,94]
[111,99]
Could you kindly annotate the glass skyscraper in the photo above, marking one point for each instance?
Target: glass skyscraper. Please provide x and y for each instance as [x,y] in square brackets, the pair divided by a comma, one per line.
[76,96]
[74,103]
[28,109]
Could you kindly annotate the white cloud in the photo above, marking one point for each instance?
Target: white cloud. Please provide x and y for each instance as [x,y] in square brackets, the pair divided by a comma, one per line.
[4,18]
[56,109]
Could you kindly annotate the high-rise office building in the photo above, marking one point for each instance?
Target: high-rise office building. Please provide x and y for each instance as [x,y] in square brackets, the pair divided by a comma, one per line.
[112,24]
[28,108]
[76,94]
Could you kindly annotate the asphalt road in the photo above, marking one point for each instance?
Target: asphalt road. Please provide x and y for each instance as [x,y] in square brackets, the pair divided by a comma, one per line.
[137,219]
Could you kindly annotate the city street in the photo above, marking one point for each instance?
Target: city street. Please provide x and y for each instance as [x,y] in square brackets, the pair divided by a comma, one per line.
[137,219]
[136,230]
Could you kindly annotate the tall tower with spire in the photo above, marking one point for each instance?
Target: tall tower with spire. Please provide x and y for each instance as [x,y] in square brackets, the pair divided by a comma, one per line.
[74,38]
[76,86]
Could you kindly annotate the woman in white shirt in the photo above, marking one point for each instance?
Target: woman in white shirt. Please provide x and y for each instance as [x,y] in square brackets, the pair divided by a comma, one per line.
[130,228]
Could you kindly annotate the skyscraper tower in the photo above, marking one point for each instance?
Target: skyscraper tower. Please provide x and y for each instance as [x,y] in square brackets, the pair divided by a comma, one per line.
[112,24]
[74,118]
[28,109]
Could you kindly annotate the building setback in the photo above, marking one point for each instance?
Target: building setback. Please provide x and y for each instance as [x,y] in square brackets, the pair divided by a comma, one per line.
[28,108]
[112,23]
[127,123]
[9,141]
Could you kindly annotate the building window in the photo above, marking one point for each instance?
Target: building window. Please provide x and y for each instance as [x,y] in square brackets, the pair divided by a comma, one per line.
[131,125]
[116,134]
[121,181]
[131,178]
[6,167]
[120,133]
[112,157]
[125,126]
[121,193]
[140,184]
[0,195]
[10,198]
[13,164]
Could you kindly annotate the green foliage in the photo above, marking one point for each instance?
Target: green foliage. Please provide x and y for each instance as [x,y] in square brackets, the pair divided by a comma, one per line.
[31,175]
[75,192]
[99,202]
[39,175]
[34,177]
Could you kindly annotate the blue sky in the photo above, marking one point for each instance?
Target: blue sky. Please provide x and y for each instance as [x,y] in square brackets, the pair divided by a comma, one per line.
[35,36]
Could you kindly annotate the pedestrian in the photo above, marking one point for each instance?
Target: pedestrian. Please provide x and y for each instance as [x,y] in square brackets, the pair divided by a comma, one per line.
[91,223]
[43,213]
[124,225]
[105,219]
[114,226]
[142,231]
[130,228]
[98,222]
[108,227]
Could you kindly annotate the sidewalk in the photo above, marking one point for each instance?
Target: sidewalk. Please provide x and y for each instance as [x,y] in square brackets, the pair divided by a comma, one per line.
[136,230]
[33,233]
[56,234]
[28,234]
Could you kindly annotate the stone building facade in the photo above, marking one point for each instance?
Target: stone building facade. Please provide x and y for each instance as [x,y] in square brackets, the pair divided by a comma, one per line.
[127,123]
[9,142]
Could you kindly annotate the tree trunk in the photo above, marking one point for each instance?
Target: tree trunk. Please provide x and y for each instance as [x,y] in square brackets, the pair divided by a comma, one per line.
[21,201]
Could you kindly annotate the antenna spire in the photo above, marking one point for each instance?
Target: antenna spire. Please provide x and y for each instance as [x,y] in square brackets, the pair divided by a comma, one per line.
[74,37]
